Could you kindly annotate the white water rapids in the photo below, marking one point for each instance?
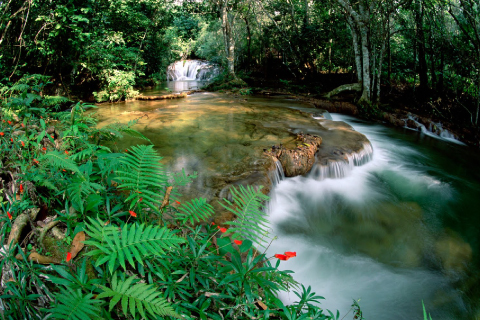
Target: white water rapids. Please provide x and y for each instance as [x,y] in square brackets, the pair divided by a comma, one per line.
[367,232]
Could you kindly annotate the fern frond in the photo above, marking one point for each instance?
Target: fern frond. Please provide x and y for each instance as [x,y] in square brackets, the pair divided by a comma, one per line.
[76,306]
[247,206]
[50,101]
[79,189]
[133,243]
[19,87]
[59,161]
[196,209]
[119,128]
[143,176]
[137,297]
[182,179]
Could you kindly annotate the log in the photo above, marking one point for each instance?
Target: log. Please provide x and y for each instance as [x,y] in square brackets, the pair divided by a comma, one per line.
[164,97]
[346,87]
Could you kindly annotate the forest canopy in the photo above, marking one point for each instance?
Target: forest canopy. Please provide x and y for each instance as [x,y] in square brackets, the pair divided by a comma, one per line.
[110,46]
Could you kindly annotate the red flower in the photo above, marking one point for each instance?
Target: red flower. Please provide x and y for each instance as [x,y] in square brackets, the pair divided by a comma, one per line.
[41,117]
[36,161]
[64,170]
[126,150]
[133,214]
[213,223]
[11,139]
[66,152]
[69,256]
[178,202]
[2,134]
[9,122]
[21,188]
[23,143]
[9,215]
[239,242]
[52,137]
[140,200]
[223,230]
[44,149]
[290,254]
[281,257]
[23,125]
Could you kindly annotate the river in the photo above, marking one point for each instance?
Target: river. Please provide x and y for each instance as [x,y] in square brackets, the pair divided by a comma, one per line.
[396,230]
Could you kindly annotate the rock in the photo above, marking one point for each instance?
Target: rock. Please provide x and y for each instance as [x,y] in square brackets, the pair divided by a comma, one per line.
[453,252]
[300,159]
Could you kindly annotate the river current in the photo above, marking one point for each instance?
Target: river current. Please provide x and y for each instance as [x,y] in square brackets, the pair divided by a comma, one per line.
[392,232]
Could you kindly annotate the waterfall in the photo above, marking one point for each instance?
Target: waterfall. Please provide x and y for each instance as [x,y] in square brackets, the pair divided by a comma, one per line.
[340,168]
[434,129]
[278,174]
[192,70]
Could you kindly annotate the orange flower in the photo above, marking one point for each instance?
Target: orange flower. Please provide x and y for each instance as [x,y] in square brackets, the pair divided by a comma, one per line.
[64,170]
[21,188]
[9,215]
[52,137]
[290,254]
[23,125]
[281,257]
[239,242]
[133,214]
[2,134]
[23,143]
[69,256]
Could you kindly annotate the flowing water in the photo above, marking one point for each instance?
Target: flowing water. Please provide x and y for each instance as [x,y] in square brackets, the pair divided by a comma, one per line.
[392,227]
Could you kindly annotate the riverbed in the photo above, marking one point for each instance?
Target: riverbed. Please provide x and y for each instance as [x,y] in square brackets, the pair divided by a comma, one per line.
[396,228]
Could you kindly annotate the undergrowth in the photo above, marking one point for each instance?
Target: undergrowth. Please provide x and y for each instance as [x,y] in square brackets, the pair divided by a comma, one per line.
[88,233]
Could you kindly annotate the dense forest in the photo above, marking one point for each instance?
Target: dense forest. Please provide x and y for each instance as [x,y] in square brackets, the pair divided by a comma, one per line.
[147,253]
[427,50]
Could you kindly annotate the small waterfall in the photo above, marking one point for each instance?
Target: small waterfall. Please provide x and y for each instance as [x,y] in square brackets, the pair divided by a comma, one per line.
[278,174]
[434,129]
[336,168]
[192,70]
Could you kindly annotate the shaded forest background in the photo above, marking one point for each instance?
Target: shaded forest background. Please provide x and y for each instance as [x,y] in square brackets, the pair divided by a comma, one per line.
[422,55]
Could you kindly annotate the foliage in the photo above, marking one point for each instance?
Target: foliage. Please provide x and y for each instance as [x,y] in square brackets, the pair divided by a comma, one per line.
[170,263]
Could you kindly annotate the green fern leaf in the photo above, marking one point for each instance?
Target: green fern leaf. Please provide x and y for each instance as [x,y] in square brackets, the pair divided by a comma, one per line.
[132,243]
[143,176]
[74,305]
[137,297]
[59,161]
[196,209]
[247,206]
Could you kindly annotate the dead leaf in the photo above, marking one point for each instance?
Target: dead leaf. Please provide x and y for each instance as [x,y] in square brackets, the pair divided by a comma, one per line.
[77,244]
[262,305]
[211,294]
[38,258]
[166,198]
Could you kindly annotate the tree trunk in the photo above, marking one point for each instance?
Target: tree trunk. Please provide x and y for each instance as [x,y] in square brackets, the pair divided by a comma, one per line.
[249,43]
[366,80]
[228,40]
[422,62]
[356,49]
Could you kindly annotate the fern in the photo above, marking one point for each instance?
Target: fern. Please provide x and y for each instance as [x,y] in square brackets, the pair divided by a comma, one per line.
[119,128]
[139,296]
[74,305]
[133,242]
[196,209]
[143,176]
[247,206]
[59,161]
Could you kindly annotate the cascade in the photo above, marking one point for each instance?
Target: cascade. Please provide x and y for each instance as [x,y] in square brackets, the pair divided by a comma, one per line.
[434,129]
[192,70]
[341,167]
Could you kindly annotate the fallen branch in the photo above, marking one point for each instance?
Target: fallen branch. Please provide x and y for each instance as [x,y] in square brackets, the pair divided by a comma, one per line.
[346,87]
[20,223]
